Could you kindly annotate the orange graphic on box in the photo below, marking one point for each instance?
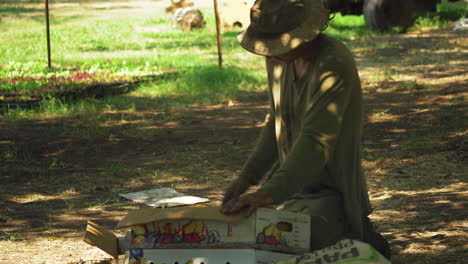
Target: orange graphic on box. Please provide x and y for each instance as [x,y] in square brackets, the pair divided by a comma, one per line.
[194,231]
[167,232]
[272,235]
[142,235]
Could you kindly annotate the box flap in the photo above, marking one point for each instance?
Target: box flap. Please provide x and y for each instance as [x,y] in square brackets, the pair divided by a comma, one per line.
[147,215]
[102,238]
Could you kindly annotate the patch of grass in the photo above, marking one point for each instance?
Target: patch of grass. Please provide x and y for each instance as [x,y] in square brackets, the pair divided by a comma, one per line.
[453,11]
[382,75]
[446,12]
[17,10]
[459,100]
[104,44]
[10,152]
[154,177]
[105,50]
[202,85]
[99,205]
[98,46]
[414,86]
[16,3]
[85,132]
[410,85]
[12,236]
[451,116]
[416,143]
[54,107]
[348,27]
[379,113]
[115,169]
[430,20]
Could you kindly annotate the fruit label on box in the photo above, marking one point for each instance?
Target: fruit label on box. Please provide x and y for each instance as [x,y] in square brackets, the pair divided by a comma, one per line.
[143,236]
[136,257]
[198,232]
[267,228]
[282,229]
[193,231]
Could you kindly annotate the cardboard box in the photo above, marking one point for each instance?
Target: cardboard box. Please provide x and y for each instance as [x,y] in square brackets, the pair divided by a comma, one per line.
[204,256]
[205,227]
[203,232]
[344,251]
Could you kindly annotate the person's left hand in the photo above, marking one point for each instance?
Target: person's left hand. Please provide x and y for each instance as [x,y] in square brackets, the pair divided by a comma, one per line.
[247,204]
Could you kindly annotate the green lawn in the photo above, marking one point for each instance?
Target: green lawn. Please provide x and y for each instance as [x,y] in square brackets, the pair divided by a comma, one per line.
[95,48]
[90,46]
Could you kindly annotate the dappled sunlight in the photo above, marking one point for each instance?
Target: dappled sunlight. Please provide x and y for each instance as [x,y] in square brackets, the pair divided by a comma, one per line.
[380,196]
[191,127]
[129,54]
[413,142]
[332,108]
[421,248]
[327,80]
[36,197]
[205,190]
[125,160]
[382,116]
[395,215]
[409,176]
[21,250]
[423,223]
[459,188]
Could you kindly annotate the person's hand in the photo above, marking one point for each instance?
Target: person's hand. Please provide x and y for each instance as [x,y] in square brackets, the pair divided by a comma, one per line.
[238,187]
[247,204]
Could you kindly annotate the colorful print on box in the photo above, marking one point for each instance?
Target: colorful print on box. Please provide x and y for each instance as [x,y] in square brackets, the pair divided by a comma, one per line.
[272,235]
[194,231]
[143,236]
[136,257]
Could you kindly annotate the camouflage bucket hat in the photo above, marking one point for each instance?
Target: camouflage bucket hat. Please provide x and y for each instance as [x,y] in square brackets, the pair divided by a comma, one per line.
[278,26]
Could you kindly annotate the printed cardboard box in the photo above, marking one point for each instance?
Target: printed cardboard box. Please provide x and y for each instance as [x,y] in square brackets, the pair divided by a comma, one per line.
[204,256]
[205,227]
[344,251]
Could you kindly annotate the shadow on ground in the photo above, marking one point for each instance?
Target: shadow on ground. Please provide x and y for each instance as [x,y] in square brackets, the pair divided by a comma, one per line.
[58,173]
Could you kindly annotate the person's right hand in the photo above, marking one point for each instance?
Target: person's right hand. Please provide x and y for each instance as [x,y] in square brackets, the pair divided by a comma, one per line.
[238,187]
[247,204]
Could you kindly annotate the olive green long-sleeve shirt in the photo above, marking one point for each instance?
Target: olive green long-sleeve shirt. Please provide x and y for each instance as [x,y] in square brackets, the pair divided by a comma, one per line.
[313,132]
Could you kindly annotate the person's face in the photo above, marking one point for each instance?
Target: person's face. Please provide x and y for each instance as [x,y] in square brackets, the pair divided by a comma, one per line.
[292,55]
[284,59]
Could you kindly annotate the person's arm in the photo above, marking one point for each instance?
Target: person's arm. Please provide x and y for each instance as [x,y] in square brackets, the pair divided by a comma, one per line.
[264,154]
[262,158]
[258,164]
[315,145]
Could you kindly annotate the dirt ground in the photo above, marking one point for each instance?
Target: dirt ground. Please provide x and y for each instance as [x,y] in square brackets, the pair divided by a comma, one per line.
[414,155]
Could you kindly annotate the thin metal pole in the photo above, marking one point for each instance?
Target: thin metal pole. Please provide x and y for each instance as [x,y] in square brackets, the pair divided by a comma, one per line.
[218,36]
[49,62]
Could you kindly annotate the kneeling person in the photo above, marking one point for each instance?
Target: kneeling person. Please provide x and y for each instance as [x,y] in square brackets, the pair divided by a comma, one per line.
[308,154]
